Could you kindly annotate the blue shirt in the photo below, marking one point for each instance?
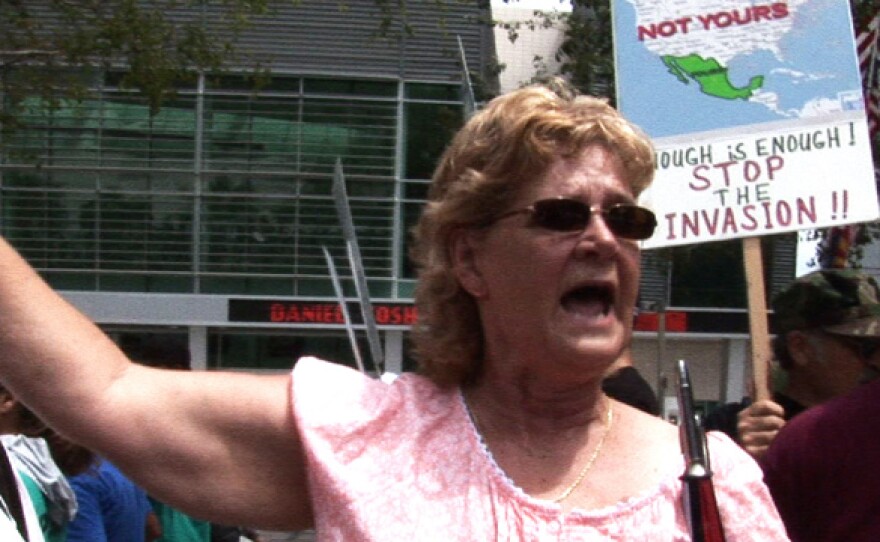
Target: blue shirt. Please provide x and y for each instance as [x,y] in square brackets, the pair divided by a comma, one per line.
[111,507]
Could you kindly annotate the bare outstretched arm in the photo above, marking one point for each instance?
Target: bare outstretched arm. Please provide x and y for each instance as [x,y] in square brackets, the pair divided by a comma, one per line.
[221,446]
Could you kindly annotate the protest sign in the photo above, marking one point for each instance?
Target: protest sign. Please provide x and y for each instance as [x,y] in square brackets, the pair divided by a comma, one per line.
[757,114]
[772,180]
[756,111]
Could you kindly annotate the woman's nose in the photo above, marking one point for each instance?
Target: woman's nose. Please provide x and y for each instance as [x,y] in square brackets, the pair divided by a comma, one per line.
[598,237]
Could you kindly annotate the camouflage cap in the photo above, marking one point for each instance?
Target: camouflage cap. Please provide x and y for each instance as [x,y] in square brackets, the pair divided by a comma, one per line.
[839,301]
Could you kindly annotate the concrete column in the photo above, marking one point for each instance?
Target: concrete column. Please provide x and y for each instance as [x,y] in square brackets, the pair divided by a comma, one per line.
[736,370]
[394,351]
[198,347]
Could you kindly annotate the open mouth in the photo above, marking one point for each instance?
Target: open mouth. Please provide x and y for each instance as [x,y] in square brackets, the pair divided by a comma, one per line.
[589,300]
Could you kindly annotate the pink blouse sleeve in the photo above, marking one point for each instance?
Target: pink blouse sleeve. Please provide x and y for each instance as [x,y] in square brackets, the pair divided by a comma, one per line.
[748,512]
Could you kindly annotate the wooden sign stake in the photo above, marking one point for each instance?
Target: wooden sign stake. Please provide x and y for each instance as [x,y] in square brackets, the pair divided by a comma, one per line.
[758,328]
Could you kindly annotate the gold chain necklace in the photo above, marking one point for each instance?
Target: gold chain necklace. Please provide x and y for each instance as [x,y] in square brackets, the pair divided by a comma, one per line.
[609,419]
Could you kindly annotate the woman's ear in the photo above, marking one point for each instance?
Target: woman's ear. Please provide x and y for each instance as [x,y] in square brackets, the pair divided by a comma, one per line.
[464,255]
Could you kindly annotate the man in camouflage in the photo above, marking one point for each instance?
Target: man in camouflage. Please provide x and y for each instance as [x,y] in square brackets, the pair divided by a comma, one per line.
[822,466]
[828,333]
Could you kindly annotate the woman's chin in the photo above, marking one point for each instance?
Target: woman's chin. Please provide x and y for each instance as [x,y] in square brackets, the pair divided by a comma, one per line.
[596,349]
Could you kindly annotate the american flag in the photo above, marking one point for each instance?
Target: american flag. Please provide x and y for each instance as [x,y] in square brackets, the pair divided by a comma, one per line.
[839,239]
[866,46]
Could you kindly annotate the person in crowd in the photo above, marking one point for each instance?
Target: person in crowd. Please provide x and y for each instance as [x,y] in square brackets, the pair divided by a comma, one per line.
[528,258]
[822,467]
[53,499]
[229,533]
[71,458]
[111,508]
[177,526]
[816,356]
[624,383]
[18,517]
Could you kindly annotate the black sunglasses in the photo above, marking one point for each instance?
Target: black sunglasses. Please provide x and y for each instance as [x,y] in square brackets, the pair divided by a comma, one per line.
[568,215]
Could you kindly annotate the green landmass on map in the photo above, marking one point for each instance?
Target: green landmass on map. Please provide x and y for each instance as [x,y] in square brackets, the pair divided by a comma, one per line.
[711,76]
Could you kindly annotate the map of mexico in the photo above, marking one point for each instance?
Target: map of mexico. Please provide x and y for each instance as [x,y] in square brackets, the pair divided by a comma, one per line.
[736,51]
[711,76]
[683,46]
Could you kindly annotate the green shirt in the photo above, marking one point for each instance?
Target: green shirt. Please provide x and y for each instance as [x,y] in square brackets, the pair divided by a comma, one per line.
[179,527]
[51,531]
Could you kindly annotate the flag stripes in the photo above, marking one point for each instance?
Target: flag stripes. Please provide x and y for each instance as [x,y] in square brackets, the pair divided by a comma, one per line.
[867,49]
[839,239]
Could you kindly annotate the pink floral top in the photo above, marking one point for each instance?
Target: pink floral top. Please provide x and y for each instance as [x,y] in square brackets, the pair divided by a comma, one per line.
[402,462]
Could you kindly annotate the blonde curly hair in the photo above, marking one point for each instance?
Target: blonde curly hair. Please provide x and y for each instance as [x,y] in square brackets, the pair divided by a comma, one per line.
[505,146]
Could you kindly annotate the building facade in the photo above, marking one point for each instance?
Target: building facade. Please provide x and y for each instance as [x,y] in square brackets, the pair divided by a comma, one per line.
[203,223]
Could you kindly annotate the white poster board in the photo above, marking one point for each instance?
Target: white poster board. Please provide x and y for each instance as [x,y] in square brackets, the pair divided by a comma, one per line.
[773,180]
[756,111]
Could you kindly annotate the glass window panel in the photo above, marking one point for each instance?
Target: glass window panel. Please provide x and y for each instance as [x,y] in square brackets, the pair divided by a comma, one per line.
[61,280]
[115,79]
[100,230]
[360,187]
[131,137]
[248,84]
[224,285]
[162,349]
[713,274]
[251,234]
[248,285]
[55,180]
[129,282]
[251,133]
[317,187]
[116,212]
[60,135]
[354,87]
[427,91]
[140,231]
[319,287]
[406,289]
[44,225]
[411,214]
[276,351]
[429,128]
[170,283]
[416,191]
[709,275]
[361,134]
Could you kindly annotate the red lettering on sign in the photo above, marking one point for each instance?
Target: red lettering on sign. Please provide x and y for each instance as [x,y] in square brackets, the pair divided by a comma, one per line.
[713,21]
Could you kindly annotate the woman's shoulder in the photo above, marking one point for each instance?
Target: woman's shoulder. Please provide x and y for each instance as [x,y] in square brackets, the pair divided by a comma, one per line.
[658,447]
[314,375]
[731,466]
[644,426]
[326,393]
[645,451]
